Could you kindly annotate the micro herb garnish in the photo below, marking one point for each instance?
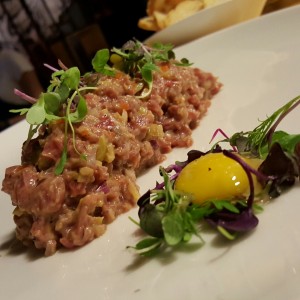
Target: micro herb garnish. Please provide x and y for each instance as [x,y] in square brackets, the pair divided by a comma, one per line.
[260,139]
[135,58]
[164,216]
[171,218]
[100,62]
[62,101]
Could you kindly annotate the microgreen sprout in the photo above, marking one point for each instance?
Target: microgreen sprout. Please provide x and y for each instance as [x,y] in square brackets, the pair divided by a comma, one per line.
[171,218]
[259,140]
[58,103]
[135,58]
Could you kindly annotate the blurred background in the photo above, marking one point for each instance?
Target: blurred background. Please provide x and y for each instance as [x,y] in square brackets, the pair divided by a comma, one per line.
[71,30]
[34,32]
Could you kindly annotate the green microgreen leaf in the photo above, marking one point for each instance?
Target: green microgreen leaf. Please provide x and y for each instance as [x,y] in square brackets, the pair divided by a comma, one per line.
[36,114]
[287,141]
[225,204]
[146,71]
[184,62]
[63,90]
[57,73]
[31,132]
[163,52]
[100,62]
[199,212]
[61,164]
[52,102]
[148,246]
[21,111]
[151,221]
[257,208]
[71,78]
[173,227]
[226,233]
[55,81]
[146,243]
[169,196]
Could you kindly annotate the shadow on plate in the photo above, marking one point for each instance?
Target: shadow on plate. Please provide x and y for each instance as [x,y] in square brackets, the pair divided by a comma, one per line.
[170,255]
[165,258]
[13,247]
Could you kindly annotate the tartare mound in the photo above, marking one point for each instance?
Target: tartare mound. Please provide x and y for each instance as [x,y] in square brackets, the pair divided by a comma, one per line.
[121,136]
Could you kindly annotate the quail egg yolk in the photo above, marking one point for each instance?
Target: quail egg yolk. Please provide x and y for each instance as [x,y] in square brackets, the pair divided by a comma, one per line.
[215,176]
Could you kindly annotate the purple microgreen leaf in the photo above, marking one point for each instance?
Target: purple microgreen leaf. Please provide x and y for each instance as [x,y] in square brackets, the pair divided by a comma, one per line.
[241,222]
[219,130]
[282,167]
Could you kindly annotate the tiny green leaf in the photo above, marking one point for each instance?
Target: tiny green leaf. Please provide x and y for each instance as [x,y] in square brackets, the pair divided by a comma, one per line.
[173,227]
[52,102]
[220,204]
[287,142]
[71,78]
[61,164]
[146,243]
[63,91]
[36,114]
[147,72]
[100,62]
[148,246]
[57,73]
[21,111]
[199,212]
[150,221]
[226,233]
[184,63]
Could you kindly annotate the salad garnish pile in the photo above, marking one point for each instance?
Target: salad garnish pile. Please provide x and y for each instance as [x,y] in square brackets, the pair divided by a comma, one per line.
[173,211]
[63,101]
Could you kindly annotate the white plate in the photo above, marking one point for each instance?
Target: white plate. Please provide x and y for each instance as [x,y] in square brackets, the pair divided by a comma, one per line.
[223,14]
[259,64]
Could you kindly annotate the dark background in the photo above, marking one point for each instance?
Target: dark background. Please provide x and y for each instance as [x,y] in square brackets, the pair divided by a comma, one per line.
[84,27]
[73,34]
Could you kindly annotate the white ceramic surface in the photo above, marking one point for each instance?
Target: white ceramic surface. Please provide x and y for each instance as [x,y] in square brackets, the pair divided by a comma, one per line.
[224,14]
[259,64]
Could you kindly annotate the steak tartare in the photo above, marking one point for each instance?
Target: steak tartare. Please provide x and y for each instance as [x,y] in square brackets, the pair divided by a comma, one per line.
[121,135]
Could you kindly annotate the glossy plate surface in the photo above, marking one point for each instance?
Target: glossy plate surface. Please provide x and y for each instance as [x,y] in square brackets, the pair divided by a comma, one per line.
[259,64]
